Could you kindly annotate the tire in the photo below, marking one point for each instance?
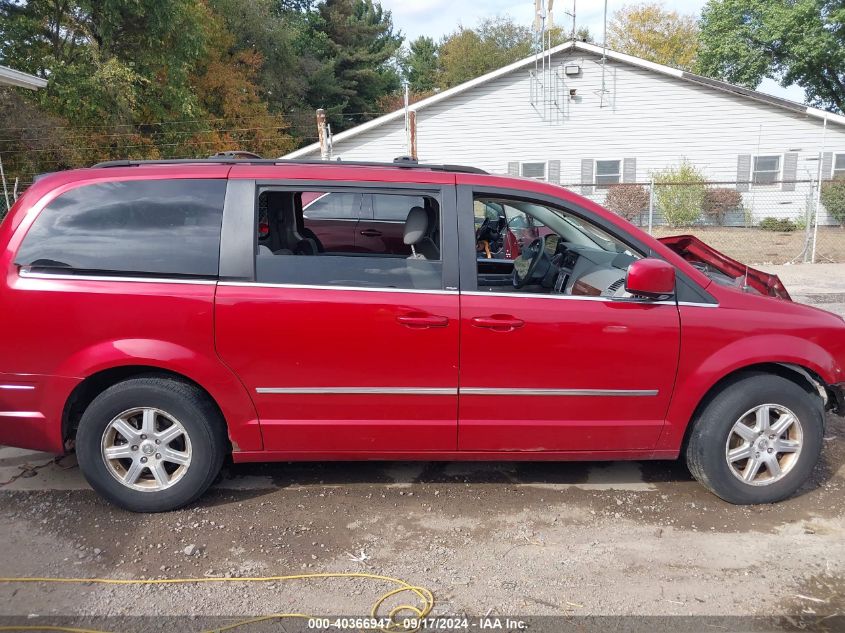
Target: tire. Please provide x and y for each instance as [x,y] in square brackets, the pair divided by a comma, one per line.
[170,407]
[763,397]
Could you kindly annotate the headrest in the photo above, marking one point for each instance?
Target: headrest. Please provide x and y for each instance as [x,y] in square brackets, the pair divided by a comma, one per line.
[416,226]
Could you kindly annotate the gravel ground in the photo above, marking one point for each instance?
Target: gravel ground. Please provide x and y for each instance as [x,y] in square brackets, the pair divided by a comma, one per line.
[526,539]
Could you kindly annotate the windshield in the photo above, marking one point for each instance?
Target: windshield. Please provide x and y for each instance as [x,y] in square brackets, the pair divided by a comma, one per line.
[569,227]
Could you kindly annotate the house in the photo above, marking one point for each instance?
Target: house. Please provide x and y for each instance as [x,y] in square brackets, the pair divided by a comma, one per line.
[588,117]
[18,79]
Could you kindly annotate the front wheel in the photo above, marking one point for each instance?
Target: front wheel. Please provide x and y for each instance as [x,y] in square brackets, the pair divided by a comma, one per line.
[150,444]
[758,440]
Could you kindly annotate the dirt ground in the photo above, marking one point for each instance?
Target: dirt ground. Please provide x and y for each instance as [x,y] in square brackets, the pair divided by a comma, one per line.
[574,540]
[755,246]
[622,546]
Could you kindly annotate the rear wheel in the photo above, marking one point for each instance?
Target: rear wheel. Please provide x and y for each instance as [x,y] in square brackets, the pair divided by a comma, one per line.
[758,440]
[150,444]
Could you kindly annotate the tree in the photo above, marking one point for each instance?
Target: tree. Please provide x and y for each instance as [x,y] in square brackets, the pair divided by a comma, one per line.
[582,34]
[651,32]
[791,41]
[136,79]
[271,30]
[106,59]
[470,53]
[353,46]
[226,88]
[421,64]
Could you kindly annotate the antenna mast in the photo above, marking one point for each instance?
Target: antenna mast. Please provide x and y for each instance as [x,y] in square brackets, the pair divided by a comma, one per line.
[604,58]
[571,14]
[545,82]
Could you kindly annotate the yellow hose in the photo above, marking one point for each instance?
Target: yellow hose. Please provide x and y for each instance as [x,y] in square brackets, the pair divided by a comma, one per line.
[425,597]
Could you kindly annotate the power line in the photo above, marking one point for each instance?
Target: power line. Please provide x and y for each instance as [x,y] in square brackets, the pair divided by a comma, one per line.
[283,116]
[123,147]
[129,134]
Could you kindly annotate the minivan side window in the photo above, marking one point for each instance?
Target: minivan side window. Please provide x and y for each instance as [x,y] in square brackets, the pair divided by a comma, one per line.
[141,227]
[334,206]
[393,208]
[404,254]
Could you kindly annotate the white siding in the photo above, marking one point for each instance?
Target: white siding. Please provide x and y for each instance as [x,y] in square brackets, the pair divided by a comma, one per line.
[654,118]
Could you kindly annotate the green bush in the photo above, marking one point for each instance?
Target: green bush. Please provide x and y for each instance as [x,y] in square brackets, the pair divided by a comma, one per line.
[833,199]
[680,194]
[719,201]
[779,225]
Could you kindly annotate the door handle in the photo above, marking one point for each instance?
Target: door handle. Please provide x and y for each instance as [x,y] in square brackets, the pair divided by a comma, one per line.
[498,322]
[422,320]
[371,233]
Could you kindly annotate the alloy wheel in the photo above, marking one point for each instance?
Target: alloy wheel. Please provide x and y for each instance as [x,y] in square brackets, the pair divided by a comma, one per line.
[146,449]
[764,444]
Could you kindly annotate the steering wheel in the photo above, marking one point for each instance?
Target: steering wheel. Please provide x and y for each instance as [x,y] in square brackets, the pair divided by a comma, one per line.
[530,263]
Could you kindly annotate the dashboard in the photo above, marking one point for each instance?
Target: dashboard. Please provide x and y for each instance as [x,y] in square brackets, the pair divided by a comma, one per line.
[573,270]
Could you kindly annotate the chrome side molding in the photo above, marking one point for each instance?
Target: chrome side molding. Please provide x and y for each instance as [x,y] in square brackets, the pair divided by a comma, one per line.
[447,391]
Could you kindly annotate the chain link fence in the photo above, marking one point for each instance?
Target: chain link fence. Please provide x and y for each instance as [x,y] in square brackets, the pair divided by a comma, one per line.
[778,223]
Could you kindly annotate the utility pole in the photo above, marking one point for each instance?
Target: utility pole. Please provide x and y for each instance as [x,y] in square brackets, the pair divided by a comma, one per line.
[818,196]
[407,88]
[412,129]
[5,189]
[323,135]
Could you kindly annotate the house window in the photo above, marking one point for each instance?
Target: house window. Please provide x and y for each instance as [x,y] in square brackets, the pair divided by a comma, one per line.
[608,172]
[766,170]
[839,166]
[537,171]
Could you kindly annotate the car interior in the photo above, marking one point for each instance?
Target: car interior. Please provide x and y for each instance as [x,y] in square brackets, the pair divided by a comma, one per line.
[348,246]
[283,229]
[558,253]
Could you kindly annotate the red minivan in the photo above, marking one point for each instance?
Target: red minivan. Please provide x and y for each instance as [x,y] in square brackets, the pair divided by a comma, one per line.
[160,316]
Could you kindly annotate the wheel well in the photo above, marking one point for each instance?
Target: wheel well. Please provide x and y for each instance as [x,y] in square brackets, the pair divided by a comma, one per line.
[805,378]
[85,392]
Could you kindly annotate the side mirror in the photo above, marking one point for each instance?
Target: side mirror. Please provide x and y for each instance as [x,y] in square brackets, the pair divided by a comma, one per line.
[650,278]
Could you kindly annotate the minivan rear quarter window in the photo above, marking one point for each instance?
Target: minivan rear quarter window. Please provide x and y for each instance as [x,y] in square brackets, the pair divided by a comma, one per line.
[148,227]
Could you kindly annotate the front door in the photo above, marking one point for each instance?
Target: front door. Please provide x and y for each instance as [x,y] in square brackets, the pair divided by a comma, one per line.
[568,362]
[344,352]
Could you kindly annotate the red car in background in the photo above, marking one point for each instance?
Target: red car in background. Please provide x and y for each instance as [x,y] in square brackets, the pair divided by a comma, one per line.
[353,222]
[159,316]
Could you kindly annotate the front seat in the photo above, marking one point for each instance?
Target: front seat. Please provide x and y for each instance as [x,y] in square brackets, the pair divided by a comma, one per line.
[417,235]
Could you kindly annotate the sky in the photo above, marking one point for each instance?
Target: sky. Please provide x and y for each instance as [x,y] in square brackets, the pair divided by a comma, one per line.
[436,18]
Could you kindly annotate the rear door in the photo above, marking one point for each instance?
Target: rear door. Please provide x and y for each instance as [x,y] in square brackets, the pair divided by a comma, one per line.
[344,353]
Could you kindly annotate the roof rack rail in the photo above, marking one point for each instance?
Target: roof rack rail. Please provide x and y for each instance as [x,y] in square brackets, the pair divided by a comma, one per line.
[403,162]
